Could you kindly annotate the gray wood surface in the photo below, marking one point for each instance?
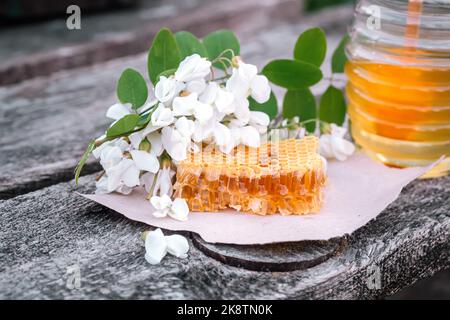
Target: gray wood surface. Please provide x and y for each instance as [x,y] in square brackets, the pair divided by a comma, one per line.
[47,230]
[125,32]
[278,257]
[46,233]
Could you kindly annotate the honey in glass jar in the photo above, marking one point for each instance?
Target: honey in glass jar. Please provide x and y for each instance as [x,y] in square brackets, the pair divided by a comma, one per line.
[399,81]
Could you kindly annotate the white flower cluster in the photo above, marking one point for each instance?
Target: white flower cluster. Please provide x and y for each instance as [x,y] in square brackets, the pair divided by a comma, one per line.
[189,109]
[192,110]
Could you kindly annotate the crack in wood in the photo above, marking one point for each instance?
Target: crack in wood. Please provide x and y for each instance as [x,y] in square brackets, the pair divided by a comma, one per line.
[277,257]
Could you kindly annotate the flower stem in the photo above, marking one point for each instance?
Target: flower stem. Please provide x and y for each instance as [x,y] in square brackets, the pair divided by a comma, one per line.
[152,188]
[150,108]
[221,78]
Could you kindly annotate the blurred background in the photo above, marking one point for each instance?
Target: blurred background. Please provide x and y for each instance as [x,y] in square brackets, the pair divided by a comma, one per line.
[37,41]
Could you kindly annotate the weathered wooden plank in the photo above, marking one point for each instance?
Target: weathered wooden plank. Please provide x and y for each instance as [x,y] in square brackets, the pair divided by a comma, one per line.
[47,231]
[278,257]
[45,123]
[116,35]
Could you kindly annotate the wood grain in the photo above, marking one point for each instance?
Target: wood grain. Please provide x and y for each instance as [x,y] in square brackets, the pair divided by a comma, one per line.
[277,257]
[47,231]
[101,38]
[47,228]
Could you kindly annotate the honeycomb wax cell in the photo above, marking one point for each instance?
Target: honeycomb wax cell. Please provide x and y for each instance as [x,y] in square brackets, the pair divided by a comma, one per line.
[284,177]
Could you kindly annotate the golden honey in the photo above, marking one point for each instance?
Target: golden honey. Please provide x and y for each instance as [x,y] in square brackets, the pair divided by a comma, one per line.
[285,177]
[399,84]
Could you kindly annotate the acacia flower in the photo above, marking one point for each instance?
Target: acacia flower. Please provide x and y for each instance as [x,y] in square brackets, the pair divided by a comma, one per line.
[245,82]
[190,105]
[123,166]
[118,111]
[333,145]
[164,206]
[166,89]
[157,245]
[192,68]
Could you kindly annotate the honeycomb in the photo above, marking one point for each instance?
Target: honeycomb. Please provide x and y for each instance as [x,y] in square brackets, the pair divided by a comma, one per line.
[285,177]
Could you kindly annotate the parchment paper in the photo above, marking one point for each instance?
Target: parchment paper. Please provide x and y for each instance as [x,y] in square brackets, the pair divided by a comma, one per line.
[357,191]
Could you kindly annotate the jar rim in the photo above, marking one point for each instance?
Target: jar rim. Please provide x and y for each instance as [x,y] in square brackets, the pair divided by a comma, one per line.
[389,40]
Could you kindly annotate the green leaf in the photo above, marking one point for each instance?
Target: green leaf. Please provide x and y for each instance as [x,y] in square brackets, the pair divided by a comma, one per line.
[144,119]
[163,55]
[189,44]
[332,106]
[292,74]
[270,107]
[219,41]
[132,88]
[83,160]
[311,47]
[124,125]
[300,103]
[339,58]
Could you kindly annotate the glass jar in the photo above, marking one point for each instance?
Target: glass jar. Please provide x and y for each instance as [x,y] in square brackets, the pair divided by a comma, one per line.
[399,81]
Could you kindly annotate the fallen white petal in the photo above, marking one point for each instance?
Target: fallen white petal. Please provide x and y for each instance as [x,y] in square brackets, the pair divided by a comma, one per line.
[155,246]
[177,245]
